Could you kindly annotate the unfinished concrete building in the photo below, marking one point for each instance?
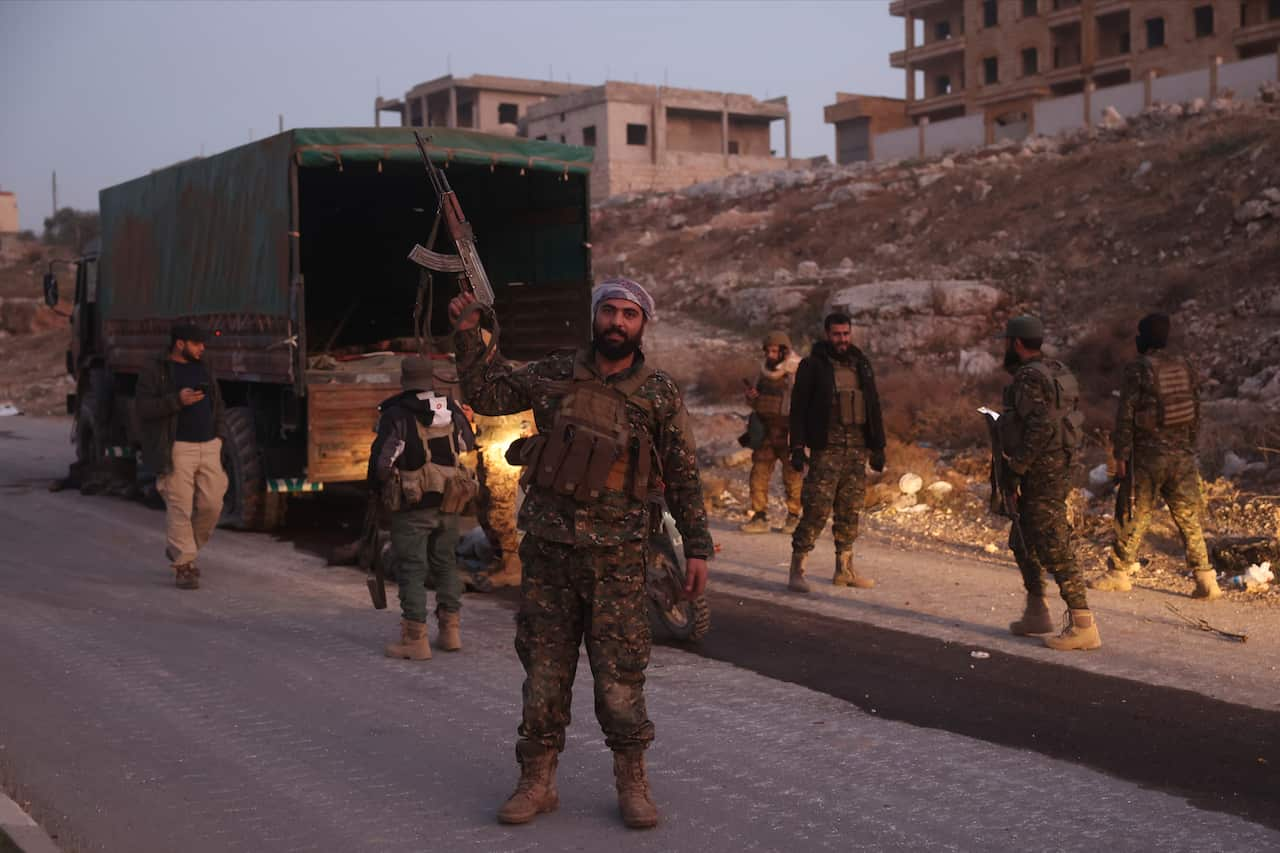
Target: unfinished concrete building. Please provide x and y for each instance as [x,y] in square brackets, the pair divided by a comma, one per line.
[997,57]
[858,118]
[661,138]
[480,102]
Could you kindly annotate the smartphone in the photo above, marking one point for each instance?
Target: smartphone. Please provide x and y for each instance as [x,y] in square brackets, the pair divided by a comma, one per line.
[203,388]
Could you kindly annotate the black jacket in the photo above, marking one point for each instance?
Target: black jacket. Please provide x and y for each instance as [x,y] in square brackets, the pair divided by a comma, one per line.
[814,391]
[157,405]
[396,424]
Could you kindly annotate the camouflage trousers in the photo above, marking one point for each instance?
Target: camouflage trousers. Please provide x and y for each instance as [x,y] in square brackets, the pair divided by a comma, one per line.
[763,461]
[569,594]
[836,485]
[1041,541]
[1176,478]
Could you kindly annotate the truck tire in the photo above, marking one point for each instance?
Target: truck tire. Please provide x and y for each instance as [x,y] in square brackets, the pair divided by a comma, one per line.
[247,505]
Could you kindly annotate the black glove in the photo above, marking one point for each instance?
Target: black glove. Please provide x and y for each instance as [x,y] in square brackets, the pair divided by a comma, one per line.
[877,461]
[797,459]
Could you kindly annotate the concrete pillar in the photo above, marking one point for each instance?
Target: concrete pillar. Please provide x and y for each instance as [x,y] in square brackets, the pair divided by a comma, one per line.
[786,125]
[451,120]
[658,148]
[377,112]
[1214,64]
[426,112]
[1088,37]
[1089,88]
[922,129]
[910,41]
[1148,86]
[724,130]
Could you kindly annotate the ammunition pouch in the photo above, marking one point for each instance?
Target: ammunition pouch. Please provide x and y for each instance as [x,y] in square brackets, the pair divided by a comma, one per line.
[850,399]
[460,492]
[769,405]
[1175,404]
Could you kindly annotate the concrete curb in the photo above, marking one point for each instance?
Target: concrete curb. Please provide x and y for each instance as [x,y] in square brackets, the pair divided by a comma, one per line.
[18,832]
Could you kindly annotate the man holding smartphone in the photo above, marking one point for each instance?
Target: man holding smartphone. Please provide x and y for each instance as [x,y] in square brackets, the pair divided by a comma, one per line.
[181,415]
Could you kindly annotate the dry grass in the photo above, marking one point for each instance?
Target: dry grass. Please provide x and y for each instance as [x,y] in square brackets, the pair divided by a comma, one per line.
[937,408]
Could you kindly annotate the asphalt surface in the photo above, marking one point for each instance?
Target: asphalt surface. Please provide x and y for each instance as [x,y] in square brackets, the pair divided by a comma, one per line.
[258,714]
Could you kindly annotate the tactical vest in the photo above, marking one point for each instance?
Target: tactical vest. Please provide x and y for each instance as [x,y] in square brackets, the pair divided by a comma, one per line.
[775,396]
[1174,404]
[849,405]
[1064,408]
[453,483]
[592,448]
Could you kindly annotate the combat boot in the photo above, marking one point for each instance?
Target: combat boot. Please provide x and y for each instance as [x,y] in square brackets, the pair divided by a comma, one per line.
[1079,634]
[1207,585]
[508,574]
[413,643]
[789,526]
[1112,581]
[449,637]
[796,581]
[187,576]
[846,576]
[638,810]
[759,523]
[1035,618]
[535,793]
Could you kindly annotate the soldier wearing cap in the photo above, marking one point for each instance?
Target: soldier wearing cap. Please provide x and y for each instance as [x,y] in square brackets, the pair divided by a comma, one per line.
[1154,446]
[1040,433]
[414,465]
[613,440]
[770,401]
[180,409]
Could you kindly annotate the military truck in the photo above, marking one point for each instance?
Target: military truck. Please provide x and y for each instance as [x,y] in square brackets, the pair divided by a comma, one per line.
[292,252]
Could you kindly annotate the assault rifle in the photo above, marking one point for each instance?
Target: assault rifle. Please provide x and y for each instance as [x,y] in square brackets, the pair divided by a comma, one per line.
[472,277]
[1125,497]
[1004,499]
[367,556]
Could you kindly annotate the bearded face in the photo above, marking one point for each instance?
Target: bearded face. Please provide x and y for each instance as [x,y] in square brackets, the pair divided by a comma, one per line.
[1011,358]
[189,351]
[618,329]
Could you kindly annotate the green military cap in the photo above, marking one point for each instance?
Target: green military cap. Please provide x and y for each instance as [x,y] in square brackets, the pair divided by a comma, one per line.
[1025,327]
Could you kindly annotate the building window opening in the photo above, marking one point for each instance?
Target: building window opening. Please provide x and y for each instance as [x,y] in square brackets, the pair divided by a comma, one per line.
[990,13]
[542,137]
[990,71]
[1273,10]
[1155,32]
[733,146]
[1030,62]
[589,136]
[942,85]
[508,113]
[637,134]
[562,140]
[1125,44]
[1204,21]
[1030,8]
[942,31]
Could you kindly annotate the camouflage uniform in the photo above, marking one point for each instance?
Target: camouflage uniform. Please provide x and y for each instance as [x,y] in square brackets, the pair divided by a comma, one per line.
[772,408]
[1164,464]
[836,482]
[1041,540]
[584,563]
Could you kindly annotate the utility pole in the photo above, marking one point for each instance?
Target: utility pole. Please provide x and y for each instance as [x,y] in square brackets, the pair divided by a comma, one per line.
[280,121]
[55,192]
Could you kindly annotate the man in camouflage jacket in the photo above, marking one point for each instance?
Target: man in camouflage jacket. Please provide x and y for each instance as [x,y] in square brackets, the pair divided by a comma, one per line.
[1037,475]
[584,561]
[1154,444]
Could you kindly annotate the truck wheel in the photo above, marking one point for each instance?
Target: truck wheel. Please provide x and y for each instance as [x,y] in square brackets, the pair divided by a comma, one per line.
[248,505]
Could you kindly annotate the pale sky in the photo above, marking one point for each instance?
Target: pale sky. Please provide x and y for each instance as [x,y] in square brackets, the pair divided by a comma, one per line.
[106,91]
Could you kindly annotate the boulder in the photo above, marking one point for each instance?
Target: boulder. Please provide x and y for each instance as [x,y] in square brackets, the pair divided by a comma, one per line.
[888,299]
[760,306]
[1112,120]
[977,362]
[1250,211]
[808,269]
[910,484]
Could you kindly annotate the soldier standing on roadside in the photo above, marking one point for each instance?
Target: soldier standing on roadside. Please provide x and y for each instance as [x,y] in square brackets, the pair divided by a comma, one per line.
[414,463]
[1040,431]
[612,438]
[835,412]
[770,401]
[1157,423]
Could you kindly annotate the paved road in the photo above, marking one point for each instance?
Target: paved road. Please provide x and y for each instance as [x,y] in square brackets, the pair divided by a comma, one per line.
[258,715]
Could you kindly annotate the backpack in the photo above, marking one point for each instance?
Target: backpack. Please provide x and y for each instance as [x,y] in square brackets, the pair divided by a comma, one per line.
[1064,404]
[1175,406]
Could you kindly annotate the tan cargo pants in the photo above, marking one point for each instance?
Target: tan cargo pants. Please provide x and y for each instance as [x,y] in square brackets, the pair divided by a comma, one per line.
[192,494]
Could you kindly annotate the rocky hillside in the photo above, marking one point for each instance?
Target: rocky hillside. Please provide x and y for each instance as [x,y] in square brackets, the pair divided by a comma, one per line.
[1178,210]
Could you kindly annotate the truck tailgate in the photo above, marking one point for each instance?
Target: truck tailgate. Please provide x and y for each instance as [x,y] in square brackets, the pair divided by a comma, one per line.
[341,418]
